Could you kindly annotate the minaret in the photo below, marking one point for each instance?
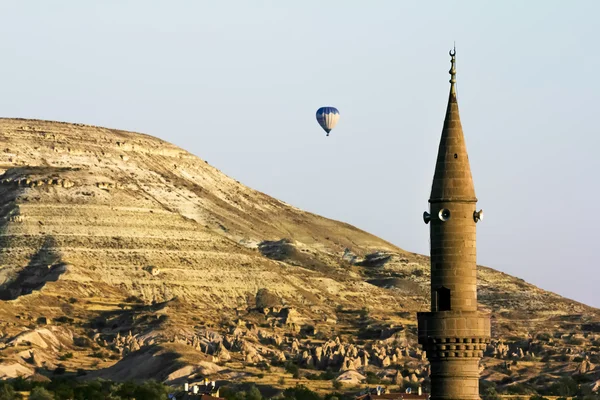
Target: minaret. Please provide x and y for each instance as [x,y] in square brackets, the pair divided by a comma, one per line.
[454,334]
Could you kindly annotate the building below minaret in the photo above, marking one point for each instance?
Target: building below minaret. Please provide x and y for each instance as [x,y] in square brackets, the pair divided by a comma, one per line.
[454,334]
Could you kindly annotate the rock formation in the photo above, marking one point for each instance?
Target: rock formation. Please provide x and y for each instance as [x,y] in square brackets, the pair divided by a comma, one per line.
[162,257]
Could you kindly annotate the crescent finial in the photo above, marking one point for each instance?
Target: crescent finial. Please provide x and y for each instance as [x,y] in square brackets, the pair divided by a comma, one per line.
[453,71]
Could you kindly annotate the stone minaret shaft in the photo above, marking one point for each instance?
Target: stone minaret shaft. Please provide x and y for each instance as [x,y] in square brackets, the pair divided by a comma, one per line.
[454,334]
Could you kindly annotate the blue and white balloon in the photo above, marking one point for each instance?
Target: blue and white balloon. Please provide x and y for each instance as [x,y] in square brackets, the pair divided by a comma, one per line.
[328,117]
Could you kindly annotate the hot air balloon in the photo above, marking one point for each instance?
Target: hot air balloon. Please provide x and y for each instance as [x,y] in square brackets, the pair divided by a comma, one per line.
[328,117]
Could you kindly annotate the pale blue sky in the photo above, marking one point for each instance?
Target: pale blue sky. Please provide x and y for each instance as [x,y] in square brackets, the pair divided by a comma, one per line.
[238,83]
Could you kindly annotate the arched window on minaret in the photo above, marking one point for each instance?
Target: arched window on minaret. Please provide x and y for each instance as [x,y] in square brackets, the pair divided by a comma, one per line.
[442,299]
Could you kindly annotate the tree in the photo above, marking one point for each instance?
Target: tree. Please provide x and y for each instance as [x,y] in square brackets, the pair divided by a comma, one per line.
[232,393]
[372,378]
[90,391]
[8,393]
[292,369]
[300,392]
[253,394]
[487,390]
[19,384]
[151,390]
[63,391]
[126,390]
[565,387]
[39,393]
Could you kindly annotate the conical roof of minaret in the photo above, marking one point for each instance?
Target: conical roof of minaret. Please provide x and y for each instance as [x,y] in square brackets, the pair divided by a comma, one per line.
[452,180]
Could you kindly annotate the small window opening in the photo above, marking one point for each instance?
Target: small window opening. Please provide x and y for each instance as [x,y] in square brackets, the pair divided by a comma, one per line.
[442,296]
[455,155]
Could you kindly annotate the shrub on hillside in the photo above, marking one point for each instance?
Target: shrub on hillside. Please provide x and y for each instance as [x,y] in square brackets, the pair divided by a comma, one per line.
[253,394]
[39,393]
[564,387]
[293,369]
[372,378]
[519,388]
[543,337]
[7,392]
[300,392]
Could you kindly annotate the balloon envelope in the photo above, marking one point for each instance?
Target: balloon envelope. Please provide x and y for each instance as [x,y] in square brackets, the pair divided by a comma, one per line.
[328,118]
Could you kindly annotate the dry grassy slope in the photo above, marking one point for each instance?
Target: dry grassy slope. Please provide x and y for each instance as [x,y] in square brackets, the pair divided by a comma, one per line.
[108,203]
[87,209]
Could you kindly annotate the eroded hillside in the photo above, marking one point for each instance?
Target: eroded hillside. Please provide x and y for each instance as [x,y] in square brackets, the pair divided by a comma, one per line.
[117,247]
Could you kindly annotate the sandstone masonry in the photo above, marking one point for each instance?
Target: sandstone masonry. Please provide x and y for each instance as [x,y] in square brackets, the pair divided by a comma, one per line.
[454,334]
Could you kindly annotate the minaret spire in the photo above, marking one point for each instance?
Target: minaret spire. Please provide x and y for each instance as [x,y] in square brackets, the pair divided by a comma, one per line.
[452,72]
[452,179]
[454,333]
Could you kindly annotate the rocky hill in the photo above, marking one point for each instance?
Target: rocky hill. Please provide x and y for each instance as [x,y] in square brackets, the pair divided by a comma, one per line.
[124,256]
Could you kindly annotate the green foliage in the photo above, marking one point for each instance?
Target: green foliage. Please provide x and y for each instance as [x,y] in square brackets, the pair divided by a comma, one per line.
[323,376]
[543,337]
[417,272]
[93,390]
[7,392]
[99,354]
[253,394]
[487,390]
[39,393]
[564,387]
[65,356]
[134,299]
[83,341]
[575,341]
[63,390]
[520,388]
[372,378]
[67,388]
[364,313]
[21,385]
[293,369]
[151,390]
[232,393]
[300,392]
[264,366]
[64,320]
